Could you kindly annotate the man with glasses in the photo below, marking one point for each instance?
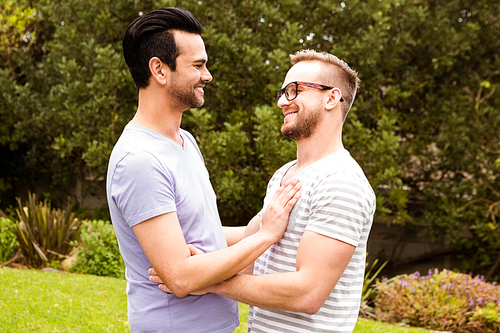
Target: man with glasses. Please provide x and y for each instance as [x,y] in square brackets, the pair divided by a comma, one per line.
[312,279]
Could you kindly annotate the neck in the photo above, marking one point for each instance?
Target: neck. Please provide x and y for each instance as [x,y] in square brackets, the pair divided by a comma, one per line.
[322,143]
[310,150]
[154,112]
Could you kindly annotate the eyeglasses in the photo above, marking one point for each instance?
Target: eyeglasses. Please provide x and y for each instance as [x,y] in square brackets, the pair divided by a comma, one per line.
[291,90]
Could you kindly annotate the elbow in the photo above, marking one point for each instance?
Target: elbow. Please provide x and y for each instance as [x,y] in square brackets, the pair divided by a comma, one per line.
[177,285]
[310,309]
[179,288]
[310,304]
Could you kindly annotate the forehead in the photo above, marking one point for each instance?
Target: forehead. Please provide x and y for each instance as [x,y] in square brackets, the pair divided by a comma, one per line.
[307,71]
[191,46]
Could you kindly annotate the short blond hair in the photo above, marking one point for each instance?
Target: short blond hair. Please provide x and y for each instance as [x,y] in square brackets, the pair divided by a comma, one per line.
[337,73]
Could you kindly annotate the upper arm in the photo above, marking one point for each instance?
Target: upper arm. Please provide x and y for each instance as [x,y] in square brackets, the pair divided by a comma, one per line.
[253,226]
[163,242]
[321,261]
[235,234]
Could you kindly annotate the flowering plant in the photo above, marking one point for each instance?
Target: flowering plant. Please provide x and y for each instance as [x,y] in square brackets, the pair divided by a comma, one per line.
[440,301]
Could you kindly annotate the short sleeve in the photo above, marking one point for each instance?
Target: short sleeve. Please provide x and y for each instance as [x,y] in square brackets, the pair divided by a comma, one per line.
[142,187]
[340,208]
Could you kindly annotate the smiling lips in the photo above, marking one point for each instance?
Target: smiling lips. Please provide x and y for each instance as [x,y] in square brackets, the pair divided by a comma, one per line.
[200,89]
[287,114]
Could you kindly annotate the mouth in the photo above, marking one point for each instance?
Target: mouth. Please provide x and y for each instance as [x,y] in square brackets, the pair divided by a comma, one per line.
[199,87]
[200,90]
[289,114]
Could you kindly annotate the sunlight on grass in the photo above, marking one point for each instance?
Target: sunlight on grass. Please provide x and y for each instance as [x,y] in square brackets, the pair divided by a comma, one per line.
[371,326]
[37,301]
[243,319]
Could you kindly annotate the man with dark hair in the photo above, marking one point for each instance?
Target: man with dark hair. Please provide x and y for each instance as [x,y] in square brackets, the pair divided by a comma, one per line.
[159,192]
[312,279]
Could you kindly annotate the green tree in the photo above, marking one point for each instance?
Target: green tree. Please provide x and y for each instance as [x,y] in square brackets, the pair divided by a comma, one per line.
[424,125]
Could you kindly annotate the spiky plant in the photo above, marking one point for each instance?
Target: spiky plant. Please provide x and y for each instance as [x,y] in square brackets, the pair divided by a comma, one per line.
[45,234]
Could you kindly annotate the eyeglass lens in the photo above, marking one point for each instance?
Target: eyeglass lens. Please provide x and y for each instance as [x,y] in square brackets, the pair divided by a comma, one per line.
[291,91]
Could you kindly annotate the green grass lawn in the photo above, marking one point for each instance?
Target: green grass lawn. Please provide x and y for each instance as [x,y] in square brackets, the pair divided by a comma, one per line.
[37,301]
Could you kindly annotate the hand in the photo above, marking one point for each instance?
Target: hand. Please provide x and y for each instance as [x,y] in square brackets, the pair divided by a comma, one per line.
[275,218]
[153,276]
[193,250]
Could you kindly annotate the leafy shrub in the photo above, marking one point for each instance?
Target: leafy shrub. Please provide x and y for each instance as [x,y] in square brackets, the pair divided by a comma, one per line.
[98,251]
[45,234]
[445,301]
[8,240]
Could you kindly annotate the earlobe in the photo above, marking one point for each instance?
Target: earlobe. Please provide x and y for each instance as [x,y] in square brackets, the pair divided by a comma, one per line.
[158,70]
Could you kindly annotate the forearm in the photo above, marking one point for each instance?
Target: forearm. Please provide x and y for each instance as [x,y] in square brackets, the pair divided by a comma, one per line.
[281,291]
[215,266]
[164,244]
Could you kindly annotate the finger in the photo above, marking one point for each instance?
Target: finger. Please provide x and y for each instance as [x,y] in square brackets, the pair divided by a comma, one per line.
[292,193]
[288,186]
[194,250]
[164,288]
[289,205]
[288,193]
[155,279]
[152,271]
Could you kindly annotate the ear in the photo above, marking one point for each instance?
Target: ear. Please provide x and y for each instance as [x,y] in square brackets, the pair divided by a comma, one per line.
[159,71]
[333,99]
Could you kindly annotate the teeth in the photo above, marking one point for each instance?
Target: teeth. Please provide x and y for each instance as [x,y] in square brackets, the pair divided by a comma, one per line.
[289,114]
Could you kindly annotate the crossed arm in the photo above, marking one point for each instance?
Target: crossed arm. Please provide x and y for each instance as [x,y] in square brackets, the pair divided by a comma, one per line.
[163,242]
[321,260]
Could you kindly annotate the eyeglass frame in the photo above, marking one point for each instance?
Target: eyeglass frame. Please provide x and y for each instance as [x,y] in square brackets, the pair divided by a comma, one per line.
[283,91]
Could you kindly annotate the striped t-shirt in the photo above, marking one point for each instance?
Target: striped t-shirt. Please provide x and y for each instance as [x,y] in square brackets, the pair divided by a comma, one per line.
[336,201]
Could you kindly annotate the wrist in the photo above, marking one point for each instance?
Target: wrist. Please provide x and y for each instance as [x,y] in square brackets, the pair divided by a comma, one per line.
[268,236]
[224,287]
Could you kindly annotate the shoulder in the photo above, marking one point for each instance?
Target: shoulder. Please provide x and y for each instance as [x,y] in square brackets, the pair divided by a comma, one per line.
[339,176]
[342,168]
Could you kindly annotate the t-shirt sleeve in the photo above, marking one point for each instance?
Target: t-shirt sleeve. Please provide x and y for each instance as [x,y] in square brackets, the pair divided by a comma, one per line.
[142,188]
[340,208]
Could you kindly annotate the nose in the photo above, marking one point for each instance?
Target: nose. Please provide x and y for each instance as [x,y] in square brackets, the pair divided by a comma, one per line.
[206,76]
[282,101]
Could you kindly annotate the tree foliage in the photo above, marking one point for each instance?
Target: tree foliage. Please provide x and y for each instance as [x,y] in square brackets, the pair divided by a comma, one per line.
[424,125]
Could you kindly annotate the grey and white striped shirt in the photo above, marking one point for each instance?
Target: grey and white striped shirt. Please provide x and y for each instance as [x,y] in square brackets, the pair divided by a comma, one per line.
[337,201]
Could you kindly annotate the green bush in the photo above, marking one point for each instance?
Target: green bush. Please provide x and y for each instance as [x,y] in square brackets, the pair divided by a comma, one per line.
[98,251]
[445,301]
[45,234]
[8,240]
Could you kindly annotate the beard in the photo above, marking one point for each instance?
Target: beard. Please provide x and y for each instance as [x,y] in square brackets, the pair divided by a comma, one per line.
[185,96]
[303,127]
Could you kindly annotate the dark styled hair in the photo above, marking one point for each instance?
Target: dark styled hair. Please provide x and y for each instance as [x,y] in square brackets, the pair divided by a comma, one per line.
[150,36]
